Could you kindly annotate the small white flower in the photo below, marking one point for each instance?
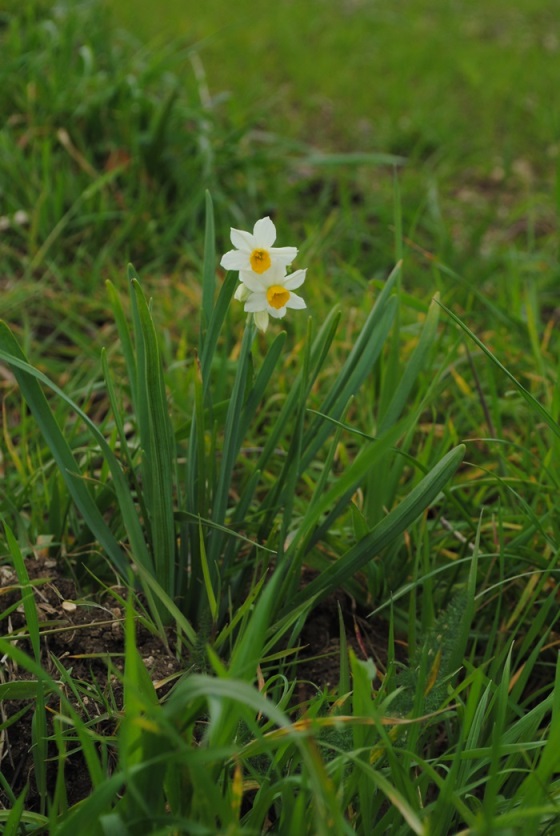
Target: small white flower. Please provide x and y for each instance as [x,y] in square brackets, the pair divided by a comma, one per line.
[255,251]
[270,294]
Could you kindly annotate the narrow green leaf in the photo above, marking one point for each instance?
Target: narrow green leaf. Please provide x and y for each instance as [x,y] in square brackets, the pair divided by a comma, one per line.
[217,318]
[28,378]
[59,804]
[415,364]
[384,532]
[97,185]
[292,466]
[83,817]
[19,690]
[207,575]
[40,746]
[124,447]
[240,614]
[232,441]
[261,381]
[319,352]
[196,490]
[534,787]
[28,598]
[13,825]
[157,441]
[125,338]
[346,484]
[227,530]
[201,686]
[344,667]
[209,269]
[155,591]
[139,694]
[357,367]
[247,652]
[532,401]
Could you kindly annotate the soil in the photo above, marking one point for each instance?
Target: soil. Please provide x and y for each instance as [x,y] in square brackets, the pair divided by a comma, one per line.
[86,638]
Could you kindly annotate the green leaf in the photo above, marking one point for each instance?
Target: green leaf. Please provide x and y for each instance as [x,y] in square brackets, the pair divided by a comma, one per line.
[119,424]
[384,532]
[260,383]
[83,818]
[20,690]
[415,364]
[157,440]
[354,372]
[344,487]
[28,598]
[232,441]
[139,694]
[208,575]
[356,368]
[318,355]
[125,338]
[534,787]
[217,318]
[13,825]
[532,401]
[27,378]
[209,269]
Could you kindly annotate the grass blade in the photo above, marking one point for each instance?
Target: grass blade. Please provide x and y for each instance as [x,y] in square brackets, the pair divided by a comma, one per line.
[27,377]
[531,400]
[384,532]
[157,441]
[208,271]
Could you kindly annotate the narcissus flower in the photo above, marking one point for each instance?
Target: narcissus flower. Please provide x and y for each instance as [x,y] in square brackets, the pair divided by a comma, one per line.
[270,294]
[255,251]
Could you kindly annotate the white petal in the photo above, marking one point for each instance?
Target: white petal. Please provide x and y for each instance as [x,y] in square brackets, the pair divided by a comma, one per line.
[235,260]
[261,320]
[242,240]
[277,313]
[256,302]
[295,279]
[283,255]
[264,233]
[254,281]
[276,272]
[295,302]
[242,293]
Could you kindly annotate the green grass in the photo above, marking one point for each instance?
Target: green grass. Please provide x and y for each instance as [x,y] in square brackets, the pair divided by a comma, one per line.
[457,90]
[398,68]
[224,468]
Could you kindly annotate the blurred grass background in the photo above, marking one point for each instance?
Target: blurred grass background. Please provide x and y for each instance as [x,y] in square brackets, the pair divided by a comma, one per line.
[460,82]
[461,90]
[115,124]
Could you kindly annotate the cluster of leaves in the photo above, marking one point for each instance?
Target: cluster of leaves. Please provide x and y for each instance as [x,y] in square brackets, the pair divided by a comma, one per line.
[181,532]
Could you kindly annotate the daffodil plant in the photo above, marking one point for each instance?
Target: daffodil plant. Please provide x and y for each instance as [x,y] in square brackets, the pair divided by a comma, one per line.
[215,520]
